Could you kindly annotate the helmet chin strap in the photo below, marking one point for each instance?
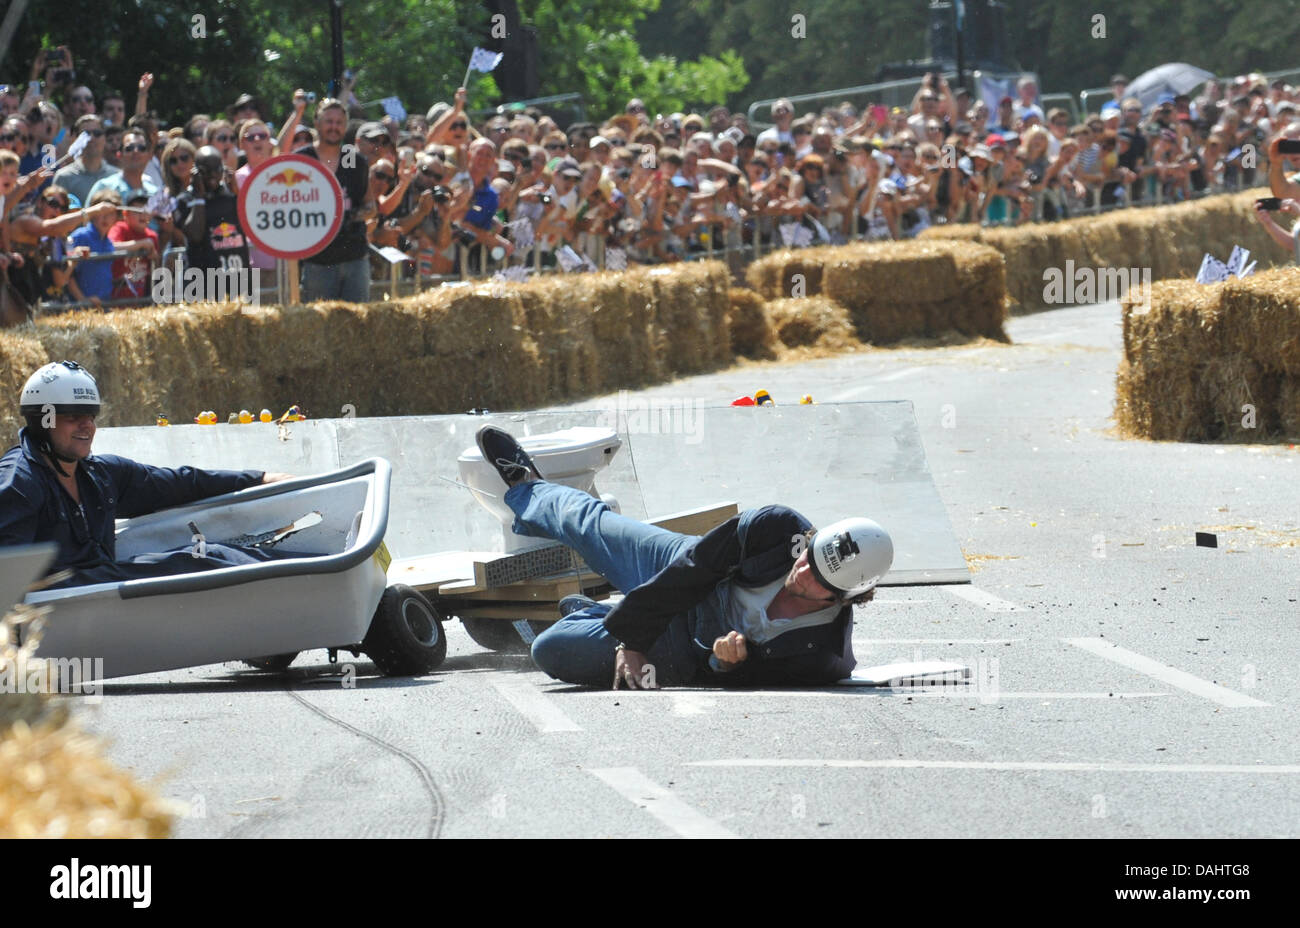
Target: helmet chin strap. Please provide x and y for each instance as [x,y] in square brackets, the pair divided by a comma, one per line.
[47,448]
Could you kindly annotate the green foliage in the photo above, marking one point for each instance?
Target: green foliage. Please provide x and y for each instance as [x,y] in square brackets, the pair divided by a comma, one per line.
[590,46]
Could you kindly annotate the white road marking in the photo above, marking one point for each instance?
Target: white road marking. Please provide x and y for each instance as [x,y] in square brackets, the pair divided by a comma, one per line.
[1063,767]
[857,640]
[980,597]
[1164,673]
[867,388]
[970,691]
[634,786]
[880,600]
[693,702]
[535,707]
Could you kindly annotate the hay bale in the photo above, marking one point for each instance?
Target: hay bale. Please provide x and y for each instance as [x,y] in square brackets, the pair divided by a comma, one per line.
[1288,408]
[55,781]
[774,275]
[751,331]
[816,321]
[21,354]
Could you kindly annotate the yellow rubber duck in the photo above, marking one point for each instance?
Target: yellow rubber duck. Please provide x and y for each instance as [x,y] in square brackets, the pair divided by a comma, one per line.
[265,415]
[207,417]
[807,400]
[163,419]
[763,398]
[245,417]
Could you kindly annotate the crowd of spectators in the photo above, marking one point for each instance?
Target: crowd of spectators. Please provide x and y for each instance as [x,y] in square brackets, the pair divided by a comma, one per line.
[516,188]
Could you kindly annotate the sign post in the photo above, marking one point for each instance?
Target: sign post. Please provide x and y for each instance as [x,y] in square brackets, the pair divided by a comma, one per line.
[291,207]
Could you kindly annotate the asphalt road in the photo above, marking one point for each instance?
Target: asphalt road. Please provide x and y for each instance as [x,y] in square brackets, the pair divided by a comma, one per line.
[1127,682]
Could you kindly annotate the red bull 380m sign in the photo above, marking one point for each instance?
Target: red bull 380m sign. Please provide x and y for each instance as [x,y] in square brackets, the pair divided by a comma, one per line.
[291,206]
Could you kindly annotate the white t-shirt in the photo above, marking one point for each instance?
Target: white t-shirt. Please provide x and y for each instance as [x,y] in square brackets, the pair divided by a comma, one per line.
[745,608]
[773,134]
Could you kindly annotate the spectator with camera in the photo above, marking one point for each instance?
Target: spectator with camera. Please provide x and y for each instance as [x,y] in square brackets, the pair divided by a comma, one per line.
[208,215]
[477,215]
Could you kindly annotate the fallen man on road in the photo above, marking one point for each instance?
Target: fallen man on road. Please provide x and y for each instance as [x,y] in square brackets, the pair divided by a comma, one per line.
[762,599]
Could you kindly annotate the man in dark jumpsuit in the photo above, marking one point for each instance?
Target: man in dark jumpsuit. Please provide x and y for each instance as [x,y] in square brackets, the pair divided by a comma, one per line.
[761,599]
[53,489]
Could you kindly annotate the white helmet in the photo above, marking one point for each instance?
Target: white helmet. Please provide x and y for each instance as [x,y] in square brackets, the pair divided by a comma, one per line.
[850,556]
[65,385]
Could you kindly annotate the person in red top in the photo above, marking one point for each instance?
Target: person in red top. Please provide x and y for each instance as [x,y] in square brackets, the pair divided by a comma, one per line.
[132,232]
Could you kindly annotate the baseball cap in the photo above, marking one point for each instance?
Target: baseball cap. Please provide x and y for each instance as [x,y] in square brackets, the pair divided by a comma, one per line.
[995,141]
[1109,107]
[568,168]
[135,195]
[979,151]
[1006,99]
[1164,98]
[599,140]
[371,130]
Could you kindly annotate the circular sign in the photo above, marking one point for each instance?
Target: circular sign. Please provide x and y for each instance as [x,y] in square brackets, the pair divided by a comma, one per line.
[291,206]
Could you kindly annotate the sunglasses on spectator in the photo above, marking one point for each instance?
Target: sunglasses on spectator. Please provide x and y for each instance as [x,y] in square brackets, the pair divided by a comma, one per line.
[13,137]
[137,147]
[257,136]
[223,138]
[459,124]
[555,146]
[55,201]
[517,158]
[94,133]
[180,158]
[386,178]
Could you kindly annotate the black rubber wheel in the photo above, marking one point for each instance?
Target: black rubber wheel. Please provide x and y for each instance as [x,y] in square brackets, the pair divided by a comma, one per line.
[405,636]
[273,662]
[501,634]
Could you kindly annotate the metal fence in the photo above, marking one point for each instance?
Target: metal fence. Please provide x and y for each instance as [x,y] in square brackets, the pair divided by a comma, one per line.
[401,278]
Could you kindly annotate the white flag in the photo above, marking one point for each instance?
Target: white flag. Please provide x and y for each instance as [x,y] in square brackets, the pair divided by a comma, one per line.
[568,258]
[484,60]
[79,145]
[393,107]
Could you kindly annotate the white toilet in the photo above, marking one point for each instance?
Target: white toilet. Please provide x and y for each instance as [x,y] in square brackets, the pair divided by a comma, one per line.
[570,456]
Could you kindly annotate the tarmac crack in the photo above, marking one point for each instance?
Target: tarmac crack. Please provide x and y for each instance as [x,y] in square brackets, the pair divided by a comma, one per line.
[438,804]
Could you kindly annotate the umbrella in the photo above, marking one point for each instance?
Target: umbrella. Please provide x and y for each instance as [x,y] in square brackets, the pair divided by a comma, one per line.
[1175,77]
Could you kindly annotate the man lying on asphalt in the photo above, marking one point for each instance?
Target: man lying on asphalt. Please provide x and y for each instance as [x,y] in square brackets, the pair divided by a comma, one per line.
[52,489]
[762,599]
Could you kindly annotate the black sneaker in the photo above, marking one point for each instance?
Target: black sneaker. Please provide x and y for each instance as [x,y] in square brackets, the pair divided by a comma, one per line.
[574,602]
[504,453]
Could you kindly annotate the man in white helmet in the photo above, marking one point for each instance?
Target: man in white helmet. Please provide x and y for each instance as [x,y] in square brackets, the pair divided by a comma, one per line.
[53,489]
[763,599]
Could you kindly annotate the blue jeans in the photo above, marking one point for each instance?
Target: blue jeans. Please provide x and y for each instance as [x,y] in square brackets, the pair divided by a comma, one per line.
[349,281]
[627,553]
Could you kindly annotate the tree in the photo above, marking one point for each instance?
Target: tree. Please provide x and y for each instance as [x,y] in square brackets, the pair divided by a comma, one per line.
[590,47]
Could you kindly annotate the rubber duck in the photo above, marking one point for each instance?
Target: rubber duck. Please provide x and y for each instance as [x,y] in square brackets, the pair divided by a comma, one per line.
[265,415]
[163,419]
[245,417]
[292,414]
[807,400]
[207,417]
[763,398]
